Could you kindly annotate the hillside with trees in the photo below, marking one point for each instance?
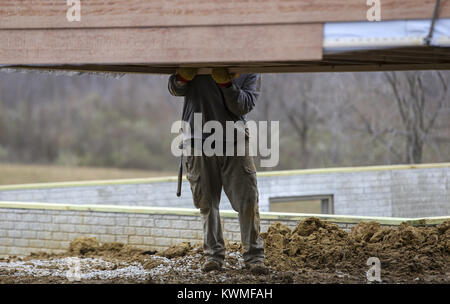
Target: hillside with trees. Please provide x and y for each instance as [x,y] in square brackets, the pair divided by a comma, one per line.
[326,119]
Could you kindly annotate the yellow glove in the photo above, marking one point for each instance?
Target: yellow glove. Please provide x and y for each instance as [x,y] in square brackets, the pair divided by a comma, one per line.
[186,74]
[222,77]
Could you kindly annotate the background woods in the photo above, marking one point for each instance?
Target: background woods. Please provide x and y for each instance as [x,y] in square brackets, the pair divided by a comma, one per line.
[326,120]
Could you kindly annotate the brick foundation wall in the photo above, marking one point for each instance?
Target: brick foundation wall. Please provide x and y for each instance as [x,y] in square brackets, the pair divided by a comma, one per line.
[399,191]
[32,227]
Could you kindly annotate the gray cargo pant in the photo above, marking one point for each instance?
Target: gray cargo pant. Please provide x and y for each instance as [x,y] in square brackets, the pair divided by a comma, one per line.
[237,175]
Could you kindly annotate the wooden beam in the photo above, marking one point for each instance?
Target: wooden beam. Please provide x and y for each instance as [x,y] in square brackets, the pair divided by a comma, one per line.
[294,68]
[25,14]
[323,68]
[173,45]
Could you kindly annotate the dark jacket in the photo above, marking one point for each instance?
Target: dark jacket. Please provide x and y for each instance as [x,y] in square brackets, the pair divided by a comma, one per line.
[204,95]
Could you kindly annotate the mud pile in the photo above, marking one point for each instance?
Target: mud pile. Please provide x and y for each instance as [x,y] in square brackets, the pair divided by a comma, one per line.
[314,252]
[321,245]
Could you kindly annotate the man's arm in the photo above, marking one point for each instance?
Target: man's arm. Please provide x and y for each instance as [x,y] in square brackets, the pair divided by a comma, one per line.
[178,82]
[241,101]
[177,87]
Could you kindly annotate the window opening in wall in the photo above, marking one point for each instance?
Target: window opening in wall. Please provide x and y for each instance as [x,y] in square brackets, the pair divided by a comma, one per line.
[315,204]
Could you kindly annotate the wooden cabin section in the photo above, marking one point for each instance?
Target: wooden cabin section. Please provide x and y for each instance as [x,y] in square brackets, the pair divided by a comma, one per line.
[157,36]
[25,14]
[156,45]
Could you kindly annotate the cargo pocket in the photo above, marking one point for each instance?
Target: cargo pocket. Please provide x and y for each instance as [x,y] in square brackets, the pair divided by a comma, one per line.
[193,176]
[250,181]
[249,169]
[249,166]
[196,188]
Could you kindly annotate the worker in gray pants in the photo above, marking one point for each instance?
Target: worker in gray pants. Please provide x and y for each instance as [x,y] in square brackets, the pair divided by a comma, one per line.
[222,97]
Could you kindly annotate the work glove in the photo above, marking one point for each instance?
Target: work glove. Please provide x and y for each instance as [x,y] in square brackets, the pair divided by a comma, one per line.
[222,77]
[186,74]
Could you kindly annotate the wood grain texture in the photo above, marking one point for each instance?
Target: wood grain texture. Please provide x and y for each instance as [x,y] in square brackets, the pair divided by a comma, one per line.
[173,45]
[410,58]
[22,14]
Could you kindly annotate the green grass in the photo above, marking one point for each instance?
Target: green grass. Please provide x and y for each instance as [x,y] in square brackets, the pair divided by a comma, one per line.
[25,174]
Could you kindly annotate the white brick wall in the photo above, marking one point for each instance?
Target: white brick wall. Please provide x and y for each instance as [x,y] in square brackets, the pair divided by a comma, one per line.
[23,231]
[415,192]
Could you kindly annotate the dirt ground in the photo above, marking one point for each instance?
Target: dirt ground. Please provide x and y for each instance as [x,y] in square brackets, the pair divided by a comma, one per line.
[314,252]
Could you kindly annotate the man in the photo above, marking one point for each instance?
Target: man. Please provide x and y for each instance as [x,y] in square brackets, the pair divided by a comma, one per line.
[222,97]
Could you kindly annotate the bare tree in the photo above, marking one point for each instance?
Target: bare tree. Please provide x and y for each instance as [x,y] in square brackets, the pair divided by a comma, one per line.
[418,105]
[301,112]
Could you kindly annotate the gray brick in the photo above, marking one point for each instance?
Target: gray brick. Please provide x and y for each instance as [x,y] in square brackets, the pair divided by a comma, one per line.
[136,240]
[4,250]
[136,222]
[163,242]
[14,233]
[106,238]
[5,241]
[29,217]
[74,219]
[114,230]
[228,235]
[122,221]
[187,217]
[180,224]
[13,217]
[157,232]
[98,229]
[83,228]
[177,241]
[72,236]
[20,242]
[236,237]
[50,227]
[43,235]
[54,245]
[129,230]
[107,221]
[171,233]
[170,217]
[67,227]
[60,219]
[43,218]
[60,236]
[162,223]
[122,239]
[195,225]
[21,226]
[191,234]
[29,234]
[233,227]
[20,251]
[149,240]
[7,225]
[37,244]
[149,222]
[91,220]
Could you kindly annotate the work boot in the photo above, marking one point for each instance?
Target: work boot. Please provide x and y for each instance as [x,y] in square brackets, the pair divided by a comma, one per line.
[211,265]
[257,268]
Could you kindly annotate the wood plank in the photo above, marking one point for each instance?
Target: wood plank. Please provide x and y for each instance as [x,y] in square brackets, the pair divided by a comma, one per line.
[342,68]
[294,68]
[22,14]
[174,45]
